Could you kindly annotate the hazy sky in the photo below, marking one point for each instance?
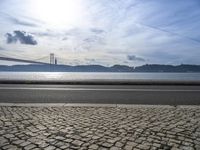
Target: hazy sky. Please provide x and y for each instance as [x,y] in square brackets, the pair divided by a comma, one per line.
[106,32]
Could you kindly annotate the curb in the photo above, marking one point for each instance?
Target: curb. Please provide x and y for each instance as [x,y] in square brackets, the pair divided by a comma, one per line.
[102,82]
[92,105]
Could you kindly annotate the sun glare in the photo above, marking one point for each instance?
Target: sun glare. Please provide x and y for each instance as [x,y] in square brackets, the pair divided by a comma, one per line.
[58,13]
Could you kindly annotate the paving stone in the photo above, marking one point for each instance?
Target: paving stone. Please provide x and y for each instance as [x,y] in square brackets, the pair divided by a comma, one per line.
[18,142]
[128,147]
[119,144]
[93,146]
[77,142]
[107,145]
[29,147]
[103,128]
[115,148]
[24,143]
[143,147]
[50,148]
[12,147]
[187,148]
[9,136]
[175,148]
[133,144]
[156,145]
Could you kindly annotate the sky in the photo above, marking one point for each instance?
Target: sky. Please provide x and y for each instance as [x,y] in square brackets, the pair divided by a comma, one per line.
[104,32]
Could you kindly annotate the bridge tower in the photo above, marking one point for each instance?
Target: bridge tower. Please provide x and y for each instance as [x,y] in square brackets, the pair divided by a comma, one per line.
[56,61]
[52,58]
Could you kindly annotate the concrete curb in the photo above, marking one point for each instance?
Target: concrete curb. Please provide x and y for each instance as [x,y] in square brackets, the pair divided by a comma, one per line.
[93,105]
[57,105]
[102,82]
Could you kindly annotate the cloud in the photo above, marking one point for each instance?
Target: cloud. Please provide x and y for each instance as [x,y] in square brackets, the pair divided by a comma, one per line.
[90,60]
[170,32]
[93,39]
[47,33]
[21,36]
[1,48]
[19,21]
[22,22]
[65,38]
[97,31]
[135,58]
[11,38]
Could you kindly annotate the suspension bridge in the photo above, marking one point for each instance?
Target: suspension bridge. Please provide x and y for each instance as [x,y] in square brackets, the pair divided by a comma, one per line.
[46,60]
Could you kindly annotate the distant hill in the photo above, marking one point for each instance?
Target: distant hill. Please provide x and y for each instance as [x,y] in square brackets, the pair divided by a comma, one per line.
[66,68]
[167,68]
[99,68]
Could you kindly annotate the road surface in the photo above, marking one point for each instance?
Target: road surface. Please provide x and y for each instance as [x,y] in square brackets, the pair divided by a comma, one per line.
[105,94]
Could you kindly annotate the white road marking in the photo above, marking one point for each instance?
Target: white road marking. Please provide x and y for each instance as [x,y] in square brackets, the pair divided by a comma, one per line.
[100,89]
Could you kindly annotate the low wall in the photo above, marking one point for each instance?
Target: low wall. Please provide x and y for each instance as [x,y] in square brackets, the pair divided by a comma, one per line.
[103,82]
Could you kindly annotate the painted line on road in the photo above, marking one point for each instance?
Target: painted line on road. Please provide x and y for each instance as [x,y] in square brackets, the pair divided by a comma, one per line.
[93,89]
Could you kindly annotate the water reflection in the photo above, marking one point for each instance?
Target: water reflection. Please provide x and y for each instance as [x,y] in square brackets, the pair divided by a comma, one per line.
[63,76]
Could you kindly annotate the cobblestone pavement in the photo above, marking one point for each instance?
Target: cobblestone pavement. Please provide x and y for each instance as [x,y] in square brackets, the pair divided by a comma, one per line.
[115,128]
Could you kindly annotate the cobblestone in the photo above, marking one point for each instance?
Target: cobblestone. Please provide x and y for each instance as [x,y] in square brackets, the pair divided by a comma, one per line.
[115,128]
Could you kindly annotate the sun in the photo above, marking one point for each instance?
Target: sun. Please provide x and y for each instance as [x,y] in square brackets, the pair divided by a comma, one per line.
[58,13]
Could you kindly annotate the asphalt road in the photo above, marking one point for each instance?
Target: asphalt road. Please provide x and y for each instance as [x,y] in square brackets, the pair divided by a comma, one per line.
[105,94]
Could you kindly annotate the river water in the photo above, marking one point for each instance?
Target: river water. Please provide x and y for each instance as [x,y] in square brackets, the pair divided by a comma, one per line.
[63,76]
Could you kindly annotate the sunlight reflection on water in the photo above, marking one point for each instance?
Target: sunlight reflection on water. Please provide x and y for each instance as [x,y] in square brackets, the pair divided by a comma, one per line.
[54,75]
[62,76]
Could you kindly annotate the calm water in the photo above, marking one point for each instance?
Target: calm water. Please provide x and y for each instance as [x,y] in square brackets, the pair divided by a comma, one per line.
[63,76]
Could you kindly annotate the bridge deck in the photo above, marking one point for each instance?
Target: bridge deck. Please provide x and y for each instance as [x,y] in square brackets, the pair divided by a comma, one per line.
[22,60]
